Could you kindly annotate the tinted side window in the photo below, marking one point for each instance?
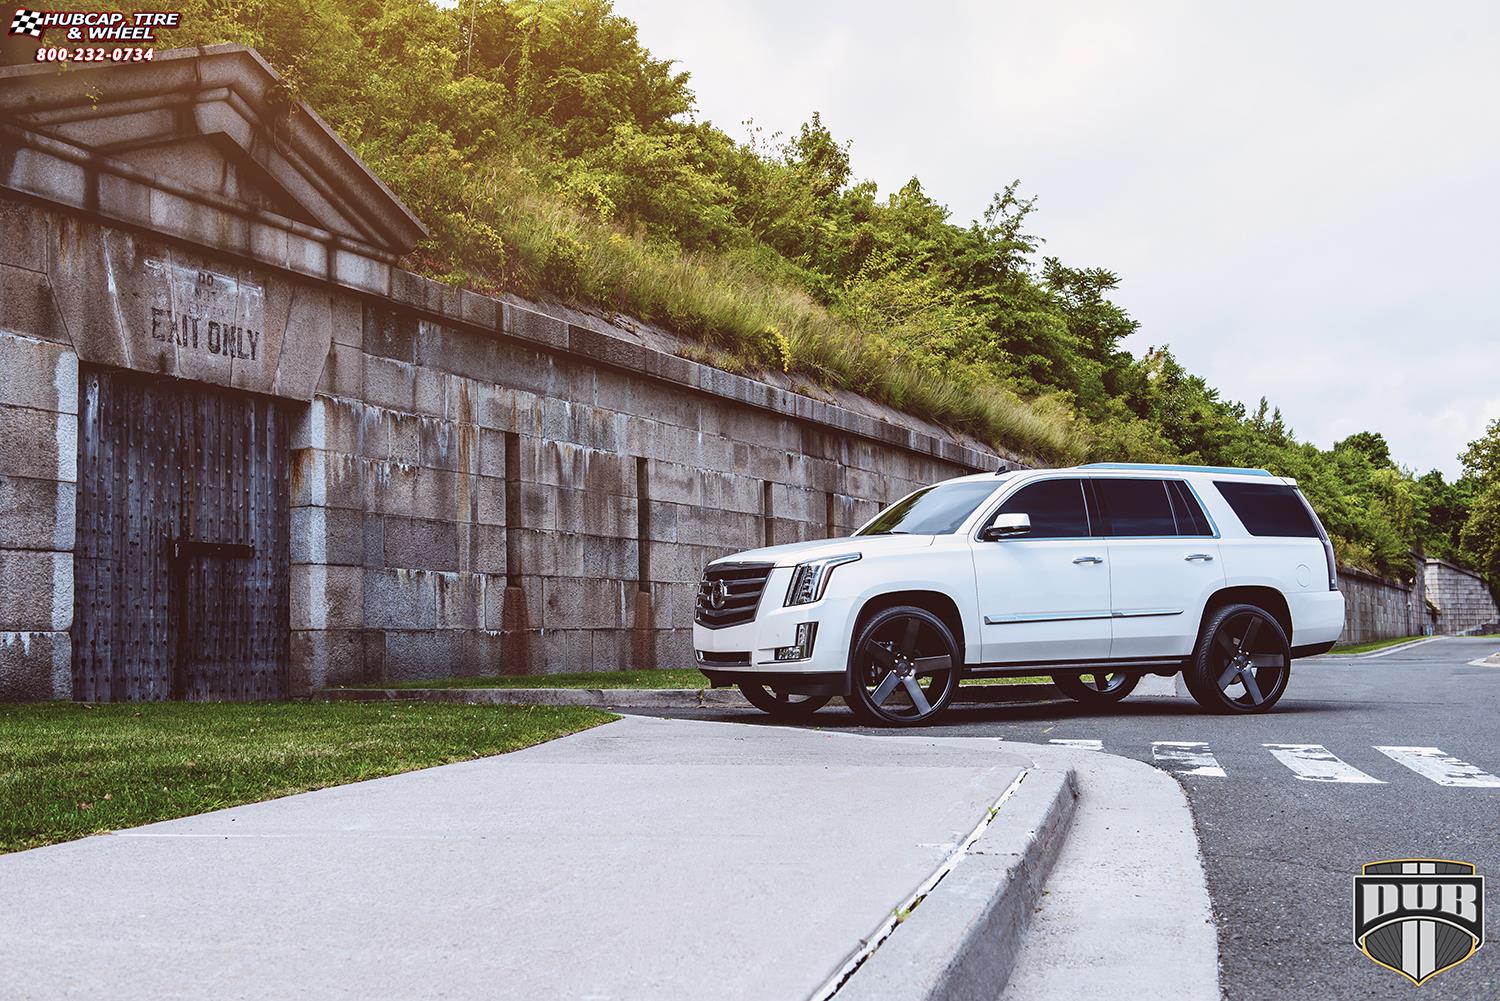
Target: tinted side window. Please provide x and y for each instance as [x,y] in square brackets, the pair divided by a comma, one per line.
[1190,517]
[1135,507]
[1055,506]
[1269,509]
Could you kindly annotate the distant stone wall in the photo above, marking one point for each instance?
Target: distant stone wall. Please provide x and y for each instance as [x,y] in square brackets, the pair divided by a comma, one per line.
[1377,608]
[1463,599]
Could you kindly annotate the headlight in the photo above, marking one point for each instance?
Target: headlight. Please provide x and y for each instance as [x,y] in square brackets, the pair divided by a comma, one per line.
[810,579]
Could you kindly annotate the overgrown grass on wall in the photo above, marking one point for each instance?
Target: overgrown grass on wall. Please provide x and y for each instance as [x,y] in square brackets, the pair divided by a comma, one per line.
[749,322]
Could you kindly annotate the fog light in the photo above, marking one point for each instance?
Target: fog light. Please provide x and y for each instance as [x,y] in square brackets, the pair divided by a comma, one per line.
[802,649]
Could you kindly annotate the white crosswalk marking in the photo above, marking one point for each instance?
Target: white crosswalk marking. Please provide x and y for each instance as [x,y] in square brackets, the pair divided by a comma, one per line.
[1186,757]
[1445,770]
[1315,763]
[1082,743]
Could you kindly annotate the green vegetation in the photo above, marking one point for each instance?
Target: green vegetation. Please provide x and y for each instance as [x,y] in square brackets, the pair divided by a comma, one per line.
[553,155]
[1374,645]
[70,770]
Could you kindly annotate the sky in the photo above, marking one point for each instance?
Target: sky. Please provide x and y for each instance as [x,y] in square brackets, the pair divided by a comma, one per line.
[1300,199]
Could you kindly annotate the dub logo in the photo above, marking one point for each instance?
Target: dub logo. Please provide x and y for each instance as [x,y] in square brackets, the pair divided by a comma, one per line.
[1418,917]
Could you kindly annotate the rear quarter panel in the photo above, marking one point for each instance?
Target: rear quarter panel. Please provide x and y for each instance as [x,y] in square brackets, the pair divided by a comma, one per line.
[1297,567]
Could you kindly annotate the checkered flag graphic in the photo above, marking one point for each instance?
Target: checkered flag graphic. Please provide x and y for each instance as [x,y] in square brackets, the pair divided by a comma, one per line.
[27,22]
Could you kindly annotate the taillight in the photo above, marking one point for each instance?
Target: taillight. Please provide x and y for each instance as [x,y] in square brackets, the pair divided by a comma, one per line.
[1333,567]
[1333,563]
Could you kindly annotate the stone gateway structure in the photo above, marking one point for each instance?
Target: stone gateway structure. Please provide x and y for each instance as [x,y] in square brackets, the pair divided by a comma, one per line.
[246,455]
[1461,600]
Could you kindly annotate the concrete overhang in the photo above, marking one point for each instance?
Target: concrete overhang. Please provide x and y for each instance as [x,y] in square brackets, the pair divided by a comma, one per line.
[215,126]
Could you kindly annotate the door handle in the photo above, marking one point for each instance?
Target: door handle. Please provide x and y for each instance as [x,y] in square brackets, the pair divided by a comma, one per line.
[1089,559]
[1199,557]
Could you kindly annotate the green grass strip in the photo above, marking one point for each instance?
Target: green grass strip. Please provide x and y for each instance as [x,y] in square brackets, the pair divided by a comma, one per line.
[1374,645]
[69,770]
[664,678]
[679,678]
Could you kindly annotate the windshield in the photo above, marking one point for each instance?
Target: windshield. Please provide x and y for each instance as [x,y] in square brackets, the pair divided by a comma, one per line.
[936,510]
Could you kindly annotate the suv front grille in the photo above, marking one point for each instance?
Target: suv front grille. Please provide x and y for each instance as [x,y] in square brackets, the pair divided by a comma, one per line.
[735,589]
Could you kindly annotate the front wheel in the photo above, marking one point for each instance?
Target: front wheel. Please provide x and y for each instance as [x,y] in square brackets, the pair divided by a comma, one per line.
[1096,688]
[1242,662]
[904,667]
[782,705]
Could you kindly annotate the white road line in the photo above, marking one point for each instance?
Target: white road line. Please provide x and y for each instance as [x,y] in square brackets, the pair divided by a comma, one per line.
[1315,763]
[1082,743]
[1186,757]
[1445,770]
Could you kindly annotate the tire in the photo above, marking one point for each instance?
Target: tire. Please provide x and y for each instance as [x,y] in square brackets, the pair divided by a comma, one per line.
[1242,663]
[892,652]
[782,705]
[1101,689]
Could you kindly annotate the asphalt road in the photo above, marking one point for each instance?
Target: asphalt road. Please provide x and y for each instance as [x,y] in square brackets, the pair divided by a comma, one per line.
[1280,851]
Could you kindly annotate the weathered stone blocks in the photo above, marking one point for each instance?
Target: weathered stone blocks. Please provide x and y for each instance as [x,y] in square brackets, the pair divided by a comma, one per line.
[35,666]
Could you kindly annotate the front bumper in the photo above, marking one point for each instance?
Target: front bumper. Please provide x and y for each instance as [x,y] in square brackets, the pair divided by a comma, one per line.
[750,648]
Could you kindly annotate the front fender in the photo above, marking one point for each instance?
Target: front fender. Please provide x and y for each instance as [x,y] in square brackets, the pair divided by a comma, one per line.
[954,581]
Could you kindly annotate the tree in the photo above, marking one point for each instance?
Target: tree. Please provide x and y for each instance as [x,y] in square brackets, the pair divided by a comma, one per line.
[1479,541]
[1481,459]
[1371,444]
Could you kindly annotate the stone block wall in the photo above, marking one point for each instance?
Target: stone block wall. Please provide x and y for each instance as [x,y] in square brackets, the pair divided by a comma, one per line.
[475,486]
[466,501]
[1376,608]
[38,473]
[1464,601]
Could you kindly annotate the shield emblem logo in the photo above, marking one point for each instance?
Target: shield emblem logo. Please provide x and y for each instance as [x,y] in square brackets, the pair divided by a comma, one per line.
[719,595]
[1418,917]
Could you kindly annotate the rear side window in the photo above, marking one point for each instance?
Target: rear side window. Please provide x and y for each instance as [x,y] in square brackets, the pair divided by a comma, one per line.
[1135,507]
[1056,509]
[1269,509]
[1190,517]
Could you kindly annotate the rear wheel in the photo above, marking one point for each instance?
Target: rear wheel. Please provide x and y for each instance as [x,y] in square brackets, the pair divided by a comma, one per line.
[1096,688]
[1242,662]
[782,705]
[905,667]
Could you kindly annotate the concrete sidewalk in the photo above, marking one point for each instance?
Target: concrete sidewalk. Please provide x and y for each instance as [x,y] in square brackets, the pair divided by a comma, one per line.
[643,859]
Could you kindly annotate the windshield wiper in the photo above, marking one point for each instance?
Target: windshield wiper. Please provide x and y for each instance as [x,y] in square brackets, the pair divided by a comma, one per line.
[895,531]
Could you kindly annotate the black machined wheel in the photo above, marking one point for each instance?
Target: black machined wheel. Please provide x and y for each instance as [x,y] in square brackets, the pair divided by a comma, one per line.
[1096,687]
[782,705]
[904,667]
[1242,663]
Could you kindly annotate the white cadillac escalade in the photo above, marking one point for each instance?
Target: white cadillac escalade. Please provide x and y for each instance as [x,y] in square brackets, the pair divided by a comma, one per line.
[1094,575]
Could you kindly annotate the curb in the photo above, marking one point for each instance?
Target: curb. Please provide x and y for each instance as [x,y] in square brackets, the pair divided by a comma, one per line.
[992,694]
[642,698]
[1382,652]
[960,941]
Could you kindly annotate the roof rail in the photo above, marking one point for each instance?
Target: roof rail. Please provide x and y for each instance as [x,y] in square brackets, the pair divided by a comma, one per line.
[1168,468]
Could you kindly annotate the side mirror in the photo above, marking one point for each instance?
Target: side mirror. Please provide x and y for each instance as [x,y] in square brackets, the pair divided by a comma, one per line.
[1007,526]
